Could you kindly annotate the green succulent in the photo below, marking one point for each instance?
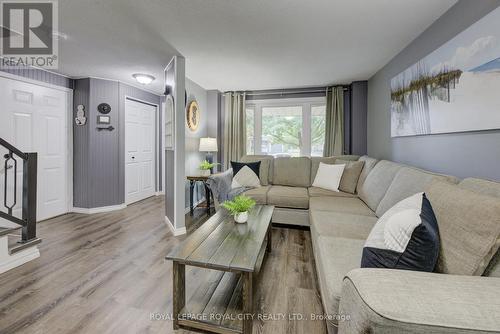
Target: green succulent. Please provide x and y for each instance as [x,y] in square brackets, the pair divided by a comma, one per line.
[207,165]
[239,204]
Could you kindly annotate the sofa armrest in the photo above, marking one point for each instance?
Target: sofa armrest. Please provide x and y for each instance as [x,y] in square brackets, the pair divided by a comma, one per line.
[398,301]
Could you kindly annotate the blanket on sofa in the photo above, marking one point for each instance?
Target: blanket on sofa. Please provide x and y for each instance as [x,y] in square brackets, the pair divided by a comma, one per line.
[220,185]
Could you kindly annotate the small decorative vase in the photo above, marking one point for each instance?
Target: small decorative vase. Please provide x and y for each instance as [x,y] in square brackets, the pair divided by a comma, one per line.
[205,172]
[241,217]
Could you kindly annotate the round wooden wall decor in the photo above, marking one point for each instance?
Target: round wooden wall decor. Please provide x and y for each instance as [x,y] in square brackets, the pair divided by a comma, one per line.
[193,115]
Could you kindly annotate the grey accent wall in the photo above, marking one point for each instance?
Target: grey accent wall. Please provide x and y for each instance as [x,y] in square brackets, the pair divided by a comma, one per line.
[192,154]
[462,154]
[358,126]
[103,160]
[41,75]
[137,94]
[80,146]
[99,156]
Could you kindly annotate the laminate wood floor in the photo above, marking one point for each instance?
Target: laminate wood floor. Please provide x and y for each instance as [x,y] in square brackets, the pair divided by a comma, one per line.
[106,273]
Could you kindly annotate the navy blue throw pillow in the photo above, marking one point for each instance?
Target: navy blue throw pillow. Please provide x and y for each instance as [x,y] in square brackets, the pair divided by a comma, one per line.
[254,166]
[405,237]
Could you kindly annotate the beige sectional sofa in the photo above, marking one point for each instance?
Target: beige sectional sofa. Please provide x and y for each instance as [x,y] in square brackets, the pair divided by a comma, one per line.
[376,300]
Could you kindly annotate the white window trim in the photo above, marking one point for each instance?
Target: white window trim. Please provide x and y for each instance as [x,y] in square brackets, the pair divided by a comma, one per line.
[305,102]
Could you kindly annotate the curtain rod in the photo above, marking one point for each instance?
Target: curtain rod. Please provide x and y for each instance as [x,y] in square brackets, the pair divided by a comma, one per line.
[285,92]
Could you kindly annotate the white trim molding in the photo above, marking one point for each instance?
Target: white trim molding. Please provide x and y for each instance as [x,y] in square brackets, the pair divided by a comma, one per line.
[90,211]
[176,231]
[11,261]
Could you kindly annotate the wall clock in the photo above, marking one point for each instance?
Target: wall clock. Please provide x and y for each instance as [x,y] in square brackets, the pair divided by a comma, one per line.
[193,115]
[104,108]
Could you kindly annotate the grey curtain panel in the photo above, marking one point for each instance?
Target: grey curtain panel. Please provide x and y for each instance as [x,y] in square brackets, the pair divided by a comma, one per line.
[234,128]
[334,131]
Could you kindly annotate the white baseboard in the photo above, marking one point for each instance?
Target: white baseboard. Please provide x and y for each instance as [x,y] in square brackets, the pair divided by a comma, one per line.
[15,260]
[186,211]
[158,193]
[175,231]
[90,211]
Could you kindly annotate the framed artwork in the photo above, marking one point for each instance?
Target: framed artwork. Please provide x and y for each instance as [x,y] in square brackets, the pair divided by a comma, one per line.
[193,115]
[169,122]
[453,89]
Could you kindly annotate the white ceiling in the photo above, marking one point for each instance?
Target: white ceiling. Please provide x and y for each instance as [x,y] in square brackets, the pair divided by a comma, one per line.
[240,44]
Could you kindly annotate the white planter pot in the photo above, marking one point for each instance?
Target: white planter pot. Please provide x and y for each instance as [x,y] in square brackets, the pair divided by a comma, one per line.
[205,172]
[241,217]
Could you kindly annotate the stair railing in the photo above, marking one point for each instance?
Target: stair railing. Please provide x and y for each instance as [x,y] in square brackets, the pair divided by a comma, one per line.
[28,220]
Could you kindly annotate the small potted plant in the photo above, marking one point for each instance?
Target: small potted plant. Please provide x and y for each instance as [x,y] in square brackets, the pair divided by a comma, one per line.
[205,168]
[239,207]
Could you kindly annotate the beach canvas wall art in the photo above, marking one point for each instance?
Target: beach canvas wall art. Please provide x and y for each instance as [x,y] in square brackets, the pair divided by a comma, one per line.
[456,88]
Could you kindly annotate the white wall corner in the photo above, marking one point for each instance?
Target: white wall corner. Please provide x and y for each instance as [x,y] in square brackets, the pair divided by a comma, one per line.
[176,232]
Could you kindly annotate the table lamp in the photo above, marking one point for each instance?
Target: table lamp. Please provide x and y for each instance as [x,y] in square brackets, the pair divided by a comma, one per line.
[208,145]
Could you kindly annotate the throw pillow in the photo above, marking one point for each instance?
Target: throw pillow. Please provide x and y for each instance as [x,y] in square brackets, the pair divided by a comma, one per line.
[405,237]
[245,174]
[328,176]
[469,225]
[352,171]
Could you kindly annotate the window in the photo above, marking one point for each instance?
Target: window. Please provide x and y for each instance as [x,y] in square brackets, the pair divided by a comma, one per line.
[250,125]
[282,131]
[318,124]
[286,127]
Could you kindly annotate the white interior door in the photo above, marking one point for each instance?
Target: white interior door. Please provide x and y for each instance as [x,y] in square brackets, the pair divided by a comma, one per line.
[140,119]
[34,119]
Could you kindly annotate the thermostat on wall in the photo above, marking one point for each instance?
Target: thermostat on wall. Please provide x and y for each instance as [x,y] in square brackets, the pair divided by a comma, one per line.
[103,119]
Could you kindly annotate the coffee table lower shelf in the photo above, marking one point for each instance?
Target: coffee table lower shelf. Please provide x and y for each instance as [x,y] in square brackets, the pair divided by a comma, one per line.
[216,305]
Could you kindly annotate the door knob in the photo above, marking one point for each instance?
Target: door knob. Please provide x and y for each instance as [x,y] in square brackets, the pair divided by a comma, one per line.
[133,157]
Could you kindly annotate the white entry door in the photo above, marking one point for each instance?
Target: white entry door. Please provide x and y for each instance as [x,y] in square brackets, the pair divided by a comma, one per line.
[140,119]
[34,119]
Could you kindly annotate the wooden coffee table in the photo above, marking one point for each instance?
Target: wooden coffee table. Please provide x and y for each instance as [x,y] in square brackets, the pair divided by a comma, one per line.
[222,302]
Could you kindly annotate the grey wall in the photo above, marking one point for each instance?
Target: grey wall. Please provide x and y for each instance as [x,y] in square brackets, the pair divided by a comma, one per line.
[81,147]
[358,126]
[41,75]
[192,154]
[462,154]
[99,156]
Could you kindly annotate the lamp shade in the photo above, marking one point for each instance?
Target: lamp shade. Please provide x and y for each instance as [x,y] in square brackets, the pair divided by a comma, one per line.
[208,144]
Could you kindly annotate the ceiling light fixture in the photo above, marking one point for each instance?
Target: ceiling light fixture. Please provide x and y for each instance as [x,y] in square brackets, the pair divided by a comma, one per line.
[143,79]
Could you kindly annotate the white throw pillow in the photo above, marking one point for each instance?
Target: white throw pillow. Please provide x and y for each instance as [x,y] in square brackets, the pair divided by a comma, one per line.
[245,178]
[328,176]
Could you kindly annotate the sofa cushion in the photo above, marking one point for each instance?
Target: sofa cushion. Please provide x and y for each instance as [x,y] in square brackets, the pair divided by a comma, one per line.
[351,205]
[335,257]
[294,172]
[266,167]
[329,176]
[377,182]
[258,194]
[490,188]
[341,225]
[405,237]
[315,164]
[480,186]
[316,192]
[351,174]
[469,226]
[402,301]
[367,168]
[245,174]
[328,160]
[288,197]
[407,182]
